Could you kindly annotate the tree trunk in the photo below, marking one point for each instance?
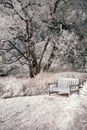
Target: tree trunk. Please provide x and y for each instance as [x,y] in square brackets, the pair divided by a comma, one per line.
[52,55]
[29,64]
[31,72]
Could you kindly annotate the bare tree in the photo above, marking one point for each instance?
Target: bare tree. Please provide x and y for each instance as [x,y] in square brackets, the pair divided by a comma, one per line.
[24,37]
[22,41]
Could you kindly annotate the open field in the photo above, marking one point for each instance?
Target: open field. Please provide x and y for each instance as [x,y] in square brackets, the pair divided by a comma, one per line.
[14,87]
[40,111]
[44,112]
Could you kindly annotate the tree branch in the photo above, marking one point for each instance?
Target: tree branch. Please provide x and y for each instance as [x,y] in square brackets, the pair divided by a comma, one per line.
[18,50]
[7,3]
[44,51]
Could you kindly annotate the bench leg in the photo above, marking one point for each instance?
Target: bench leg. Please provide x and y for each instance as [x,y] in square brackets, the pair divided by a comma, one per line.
[78,92]
[49,92]
[69,94]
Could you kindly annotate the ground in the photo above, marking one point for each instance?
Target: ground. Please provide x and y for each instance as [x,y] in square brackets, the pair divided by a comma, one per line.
[44,112]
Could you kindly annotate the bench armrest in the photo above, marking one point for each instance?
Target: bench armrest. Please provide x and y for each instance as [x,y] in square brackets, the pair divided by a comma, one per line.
[74,85]
[52,83]
[71,86]
[49,84]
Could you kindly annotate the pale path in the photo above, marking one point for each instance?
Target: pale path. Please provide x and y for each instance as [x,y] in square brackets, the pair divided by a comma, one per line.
[44,112]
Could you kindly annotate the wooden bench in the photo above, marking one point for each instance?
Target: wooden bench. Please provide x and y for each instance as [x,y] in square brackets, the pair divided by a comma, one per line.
[64,86]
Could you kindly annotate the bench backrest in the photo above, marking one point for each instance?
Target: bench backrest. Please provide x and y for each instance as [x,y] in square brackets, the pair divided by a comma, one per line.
[65,83]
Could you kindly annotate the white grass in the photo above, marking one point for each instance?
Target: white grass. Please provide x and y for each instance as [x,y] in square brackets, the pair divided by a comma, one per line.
[14,87]
[44,112]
